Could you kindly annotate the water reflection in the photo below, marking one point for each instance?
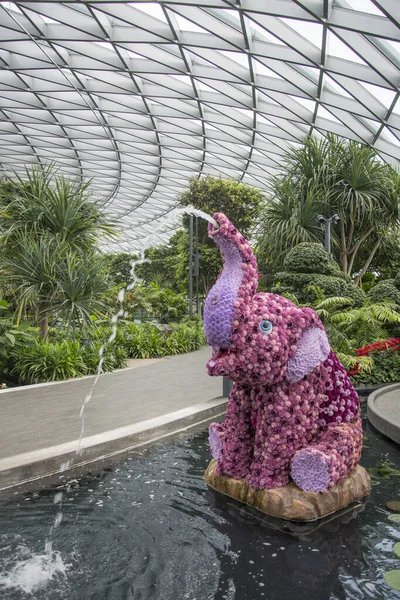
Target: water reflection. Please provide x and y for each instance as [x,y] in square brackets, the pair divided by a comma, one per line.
[149,529]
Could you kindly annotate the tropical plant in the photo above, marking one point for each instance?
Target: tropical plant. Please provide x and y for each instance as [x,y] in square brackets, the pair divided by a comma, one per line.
[385,368]
[12,337]
[80,283]
[43,201]
[53,279]
[330,176]
[240,202]
[349,327]
[357,325]
[165,303]
[307,267]
[49,228]
[385,290]
[41,361]
[118,267]
[45,361]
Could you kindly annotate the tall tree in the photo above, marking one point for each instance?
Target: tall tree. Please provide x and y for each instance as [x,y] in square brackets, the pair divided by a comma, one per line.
[330,176]
[49,227]
[240,202]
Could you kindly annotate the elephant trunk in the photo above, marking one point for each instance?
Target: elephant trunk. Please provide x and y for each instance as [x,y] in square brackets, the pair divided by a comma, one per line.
[236,284]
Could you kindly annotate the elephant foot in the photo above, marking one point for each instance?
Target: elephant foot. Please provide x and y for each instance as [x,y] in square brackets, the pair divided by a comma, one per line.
[310,471]
[215,435]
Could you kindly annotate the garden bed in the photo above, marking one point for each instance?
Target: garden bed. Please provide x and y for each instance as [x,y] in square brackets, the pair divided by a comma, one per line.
[41,361]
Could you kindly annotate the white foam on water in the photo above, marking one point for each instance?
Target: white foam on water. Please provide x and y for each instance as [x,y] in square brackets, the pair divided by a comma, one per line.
[30,572]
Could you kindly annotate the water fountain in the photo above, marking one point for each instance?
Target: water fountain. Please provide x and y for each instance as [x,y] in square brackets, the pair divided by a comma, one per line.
[145,526]
[293,411]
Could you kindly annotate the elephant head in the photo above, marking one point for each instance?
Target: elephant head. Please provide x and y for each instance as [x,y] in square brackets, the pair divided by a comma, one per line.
[257,338]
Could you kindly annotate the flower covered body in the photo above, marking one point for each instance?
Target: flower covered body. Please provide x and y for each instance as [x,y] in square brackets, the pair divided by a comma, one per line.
[293,410]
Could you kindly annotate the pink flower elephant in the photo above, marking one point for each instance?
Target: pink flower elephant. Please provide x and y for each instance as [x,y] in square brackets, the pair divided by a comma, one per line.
[293,410]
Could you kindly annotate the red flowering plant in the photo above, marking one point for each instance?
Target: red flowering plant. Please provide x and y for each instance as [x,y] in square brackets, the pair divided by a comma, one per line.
[386,356]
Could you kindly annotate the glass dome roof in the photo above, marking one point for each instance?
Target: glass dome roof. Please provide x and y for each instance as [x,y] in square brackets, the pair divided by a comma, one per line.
[140,96]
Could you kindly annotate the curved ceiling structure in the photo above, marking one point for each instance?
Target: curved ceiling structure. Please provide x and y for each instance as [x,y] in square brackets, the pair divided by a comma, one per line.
[140,96]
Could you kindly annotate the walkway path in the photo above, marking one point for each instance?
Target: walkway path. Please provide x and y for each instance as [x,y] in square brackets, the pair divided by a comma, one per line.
[36,418]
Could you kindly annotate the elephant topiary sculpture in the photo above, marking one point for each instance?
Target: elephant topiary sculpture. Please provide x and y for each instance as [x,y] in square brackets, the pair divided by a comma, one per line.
[292,410]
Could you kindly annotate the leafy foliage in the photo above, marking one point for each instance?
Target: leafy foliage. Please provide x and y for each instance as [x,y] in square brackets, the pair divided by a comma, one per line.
[308,267]
[43,201]
[241,203]
[118,267]
[362,325]
[41,361]
[305,257]
[12,337]
[150,301]
[329,176]
[385,291]
[49,228]
[385,369]
[47,361]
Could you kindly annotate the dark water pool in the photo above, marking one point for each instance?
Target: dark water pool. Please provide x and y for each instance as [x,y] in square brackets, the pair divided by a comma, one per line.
[148,528]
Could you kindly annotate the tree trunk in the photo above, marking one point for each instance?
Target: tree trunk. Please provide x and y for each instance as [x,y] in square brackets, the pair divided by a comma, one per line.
[367,263]
[355,249]
[43,320]
[343,252]
[44,327]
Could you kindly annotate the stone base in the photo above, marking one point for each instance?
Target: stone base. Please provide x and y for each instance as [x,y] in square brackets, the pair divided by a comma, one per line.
[290,502]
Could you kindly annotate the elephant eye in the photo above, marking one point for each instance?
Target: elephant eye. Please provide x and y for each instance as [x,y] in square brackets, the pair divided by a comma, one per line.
[266,326]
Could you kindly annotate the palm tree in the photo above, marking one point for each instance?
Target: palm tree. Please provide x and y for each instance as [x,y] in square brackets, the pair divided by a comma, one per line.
[326,177]
[80,283]
[286,222]
[43,201]
[48,225]
[31,268]
[57,282]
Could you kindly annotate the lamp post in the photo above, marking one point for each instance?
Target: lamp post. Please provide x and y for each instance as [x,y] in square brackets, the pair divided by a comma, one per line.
[190,265]
[193,262]
[328,220]
[196,262]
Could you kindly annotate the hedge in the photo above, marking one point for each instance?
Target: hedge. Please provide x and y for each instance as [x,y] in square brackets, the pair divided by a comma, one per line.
[304,257]
[385,291]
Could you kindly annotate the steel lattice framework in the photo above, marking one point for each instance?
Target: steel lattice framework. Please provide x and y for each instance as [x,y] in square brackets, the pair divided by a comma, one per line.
[141,96]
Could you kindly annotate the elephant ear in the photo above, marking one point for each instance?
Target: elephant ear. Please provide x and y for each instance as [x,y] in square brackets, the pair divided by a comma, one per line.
[312,349]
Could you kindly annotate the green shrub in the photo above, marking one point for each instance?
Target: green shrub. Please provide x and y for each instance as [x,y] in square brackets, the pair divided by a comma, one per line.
[305,257]
[368,281]
[53,361]
[309,267]
[44,361]
[385,291]
[119,356]
[355,293]
[300,284]
[185,340]
[114,357]
[386,368]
